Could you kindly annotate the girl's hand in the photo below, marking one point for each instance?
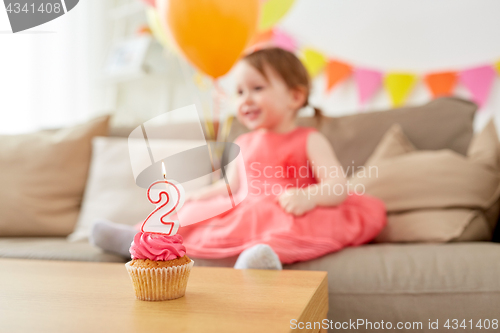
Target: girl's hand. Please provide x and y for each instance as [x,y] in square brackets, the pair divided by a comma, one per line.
[296,201]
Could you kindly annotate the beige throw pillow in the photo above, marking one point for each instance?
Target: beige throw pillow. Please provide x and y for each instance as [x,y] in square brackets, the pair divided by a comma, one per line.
[434,196]
[43,177]
[111,193]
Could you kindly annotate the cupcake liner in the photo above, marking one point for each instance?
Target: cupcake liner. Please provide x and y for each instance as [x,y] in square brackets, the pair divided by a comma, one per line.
[159,284]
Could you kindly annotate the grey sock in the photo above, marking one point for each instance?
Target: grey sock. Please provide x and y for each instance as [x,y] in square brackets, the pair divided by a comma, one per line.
[113,237]
[260,256]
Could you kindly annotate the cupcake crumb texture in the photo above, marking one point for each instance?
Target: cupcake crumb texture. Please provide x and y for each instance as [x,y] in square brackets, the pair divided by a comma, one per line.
[146,263]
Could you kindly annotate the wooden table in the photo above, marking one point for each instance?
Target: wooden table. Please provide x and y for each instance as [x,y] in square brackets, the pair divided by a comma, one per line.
[57,296]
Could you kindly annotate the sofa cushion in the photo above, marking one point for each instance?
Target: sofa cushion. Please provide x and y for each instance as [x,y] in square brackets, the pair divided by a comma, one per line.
[407,282]
[53,248]
[43,177]
[417,282]
[434,196]
[411,268]
[167,131]
[442,123]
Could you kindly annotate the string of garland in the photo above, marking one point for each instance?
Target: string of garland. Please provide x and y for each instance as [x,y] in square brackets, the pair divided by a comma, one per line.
[478,80]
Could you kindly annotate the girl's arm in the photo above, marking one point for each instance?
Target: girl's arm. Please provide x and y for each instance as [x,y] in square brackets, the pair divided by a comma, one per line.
[331,189]
[219,187]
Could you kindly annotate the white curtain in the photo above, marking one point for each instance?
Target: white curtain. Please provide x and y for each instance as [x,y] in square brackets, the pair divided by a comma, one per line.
[50,74]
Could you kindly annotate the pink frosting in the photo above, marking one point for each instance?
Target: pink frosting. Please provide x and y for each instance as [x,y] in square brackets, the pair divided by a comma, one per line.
[158,247]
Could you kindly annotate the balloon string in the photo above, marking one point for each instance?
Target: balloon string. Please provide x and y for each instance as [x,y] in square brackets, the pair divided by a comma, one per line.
[224,120]
[217,113]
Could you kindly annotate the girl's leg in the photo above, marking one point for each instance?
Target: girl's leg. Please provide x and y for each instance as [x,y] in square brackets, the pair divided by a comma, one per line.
[260,256]
[113,237]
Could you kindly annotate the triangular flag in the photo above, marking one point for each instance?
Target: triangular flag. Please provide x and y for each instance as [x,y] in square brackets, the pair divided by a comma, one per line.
[336,71]
[313,60]
[368,81]
[441,84]
[261,39]
[478,81]
[399,85]
[497,67]
[283,40]
[272,11]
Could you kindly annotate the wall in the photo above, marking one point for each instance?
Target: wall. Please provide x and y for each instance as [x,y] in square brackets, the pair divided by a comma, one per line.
[49,75]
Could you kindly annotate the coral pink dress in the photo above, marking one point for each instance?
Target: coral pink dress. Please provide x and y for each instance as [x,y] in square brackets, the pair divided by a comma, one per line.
[273,161]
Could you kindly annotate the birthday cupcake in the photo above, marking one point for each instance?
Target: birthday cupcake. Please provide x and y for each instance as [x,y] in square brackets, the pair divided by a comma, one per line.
[160,267]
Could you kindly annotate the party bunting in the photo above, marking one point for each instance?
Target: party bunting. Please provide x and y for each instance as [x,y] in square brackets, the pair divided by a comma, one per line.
[283,40]
[336,72]
[399,86]
[478,81]
[272,38]
[368,81]
[272,11]
[313,60]
[261,38]
[150,3]
[441,84]
[497,67]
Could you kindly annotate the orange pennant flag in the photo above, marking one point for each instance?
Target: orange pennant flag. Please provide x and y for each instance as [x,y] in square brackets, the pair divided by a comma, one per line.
[336,72]
[261,39]
[441,84]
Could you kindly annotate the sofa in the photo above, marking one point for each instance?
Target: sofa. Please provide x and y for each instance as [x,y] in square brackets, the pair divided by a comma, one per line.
[402,280]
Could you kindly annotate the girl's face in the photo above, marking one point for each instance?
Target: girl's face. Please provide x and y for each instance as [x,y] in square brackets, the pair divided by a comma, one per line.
[264,103]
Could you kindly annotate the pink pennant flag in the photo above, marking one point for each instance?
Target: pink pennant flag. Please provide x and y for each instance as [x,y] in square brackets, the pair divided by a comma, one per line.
[368,82]
[478,81]
[283,40]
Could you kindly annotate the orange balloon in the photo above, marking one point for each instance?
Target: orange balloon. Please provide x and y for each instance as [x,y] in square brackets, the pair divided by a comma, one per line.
[212,34]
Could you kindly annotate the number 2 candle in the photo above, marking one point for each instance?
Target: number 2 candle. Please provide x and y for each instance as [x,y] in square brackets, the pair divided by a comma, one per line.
[168,196]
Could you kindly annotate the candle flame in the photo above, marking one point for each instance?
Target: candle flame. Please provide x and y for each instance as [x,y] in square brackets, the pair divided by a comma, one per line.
[164,171]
